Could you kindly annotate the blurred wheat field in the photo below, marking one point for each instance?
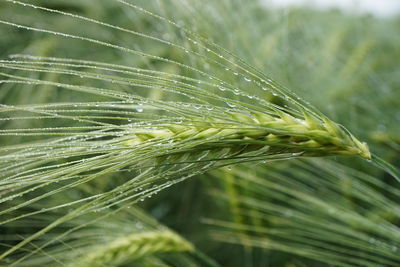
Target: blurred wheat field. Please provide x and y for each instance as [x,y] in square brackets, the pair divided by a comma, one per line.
[197,133]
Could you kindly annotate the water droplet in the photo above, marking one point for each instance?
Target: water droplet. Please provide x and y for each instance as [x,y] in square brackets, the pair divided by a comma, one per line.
[381,128]
[180,23]
[247,79]
[139,225]
[139,110]
[288,213]
[166,36]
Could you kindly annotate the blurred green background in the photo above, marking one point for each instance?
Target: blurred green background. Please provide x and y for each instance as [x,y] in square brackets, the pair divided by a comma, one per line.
[346,65]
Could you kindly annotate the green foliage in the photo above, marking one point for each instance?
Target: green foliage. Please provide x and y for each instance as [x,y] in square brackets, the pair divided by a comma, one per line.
[105,104]
[335,215]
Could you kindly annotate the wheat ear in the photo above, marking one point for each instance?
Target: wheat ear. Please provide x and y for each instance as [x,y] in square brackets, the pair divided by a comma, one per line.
[280,131]
[132,247]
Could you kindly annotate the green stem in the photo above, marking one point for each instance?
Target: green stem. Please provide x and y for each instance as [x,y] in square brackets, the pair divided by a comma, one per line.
[386,166]
[205,259]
